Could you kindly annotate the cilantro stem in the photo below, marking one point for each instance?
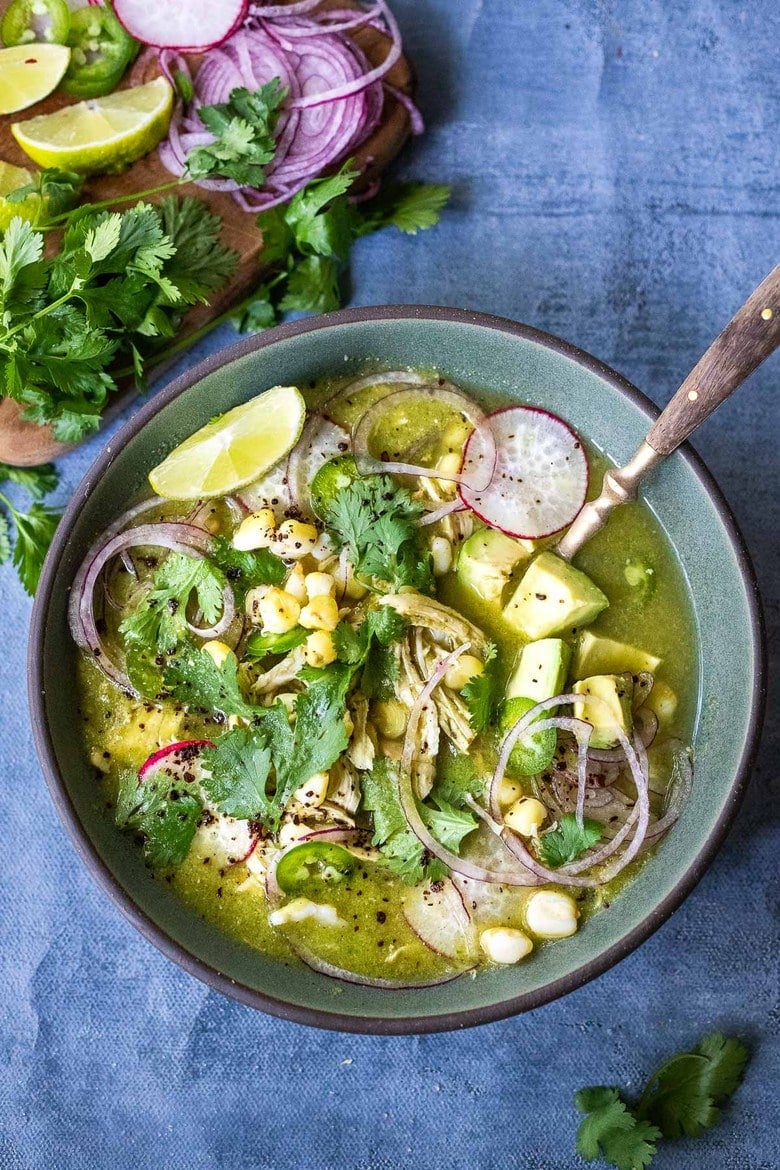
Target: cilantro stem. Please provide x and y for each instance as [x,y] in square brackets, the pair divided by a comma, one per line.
[131,197]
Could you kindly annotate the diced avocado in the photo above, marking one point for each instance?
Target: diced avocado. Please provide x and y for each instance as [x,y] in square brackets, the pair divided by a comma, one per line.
[599,655]
[487,561]
[534,752]
[541,671]
[552,597]
[613,711]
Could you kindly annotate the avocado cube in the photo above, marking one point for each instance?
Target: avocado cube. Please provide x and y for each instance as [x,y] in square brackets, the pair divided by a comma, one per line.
[612,711]
[599,655]
[487,560]
[541,670]
[552,597]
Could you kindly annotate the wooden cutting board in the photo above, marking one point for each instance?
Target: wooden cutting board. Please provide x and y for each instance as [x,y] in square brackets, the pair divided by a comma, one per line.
[25,444]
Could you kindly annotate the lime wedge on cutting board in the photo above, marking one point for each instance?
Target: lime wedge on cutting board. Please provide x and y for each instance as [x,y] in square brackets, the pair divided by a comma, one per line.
[29,73]
[11,179]
[234,449]
[100,134]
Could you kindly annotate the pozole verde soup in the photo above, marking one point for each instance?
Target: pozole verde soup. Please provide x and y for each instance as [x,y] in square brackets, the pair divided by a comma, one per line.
[357,712]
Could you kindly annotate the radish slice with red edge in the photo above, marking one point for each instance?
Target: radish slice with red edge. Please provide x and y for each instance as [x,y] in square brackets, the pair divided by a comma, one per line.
[438,916]
[540,478]
[181,24]
[180,760]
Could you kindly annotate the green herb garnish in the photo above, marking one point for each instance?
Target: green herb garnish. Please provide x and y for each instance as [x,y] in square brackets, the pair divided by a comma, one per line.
[34,528]
[568,841]
[682,1098]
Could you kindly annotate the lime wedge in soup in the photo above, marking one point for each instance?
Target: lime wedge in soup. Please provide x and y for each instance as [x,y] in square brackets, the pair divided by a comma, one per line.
[234,449]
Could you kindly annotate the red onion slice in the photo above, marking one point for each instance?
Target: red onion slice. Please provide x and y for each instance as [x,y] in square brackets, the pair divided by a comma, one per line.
[481,440]
[182,538]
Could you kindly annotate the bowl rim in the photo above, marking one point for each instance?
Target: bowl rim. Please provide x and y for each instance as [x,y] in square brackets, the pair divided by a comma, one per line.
[318,1017]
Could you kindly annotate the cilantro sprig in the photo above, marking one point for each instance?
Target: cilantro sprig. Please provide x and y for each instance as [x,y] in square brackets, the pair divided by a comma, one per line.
[681,1099]
[568,841]
[483,692]
[163,810]
[26,535]
[377,522]
[159,621]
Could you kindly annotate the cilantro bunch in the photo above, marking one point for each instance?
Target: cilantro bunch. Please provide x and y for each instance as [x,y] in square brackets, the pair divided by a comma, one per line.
[681,1099]
[118,283]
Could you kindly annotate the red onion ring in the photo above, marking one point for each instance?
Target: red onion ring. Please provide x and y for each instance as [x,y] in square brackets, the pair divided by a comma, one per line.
[368,465]
[183,538]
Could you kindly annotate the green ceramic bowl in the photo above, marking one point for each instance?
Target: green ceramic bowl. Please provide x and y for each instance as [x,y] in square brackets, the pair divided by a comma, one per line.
[475,351]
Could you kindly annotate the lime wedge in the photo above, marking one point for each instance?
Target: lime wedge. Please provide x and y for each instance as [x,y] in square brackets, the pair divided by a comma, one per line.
[11,178]
[29,73]
[100,134]
[233,450]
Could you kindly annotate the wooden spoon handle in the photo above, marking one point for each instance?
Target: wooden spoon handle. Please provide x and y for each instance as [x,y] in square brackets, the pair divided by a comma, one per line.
[750,336]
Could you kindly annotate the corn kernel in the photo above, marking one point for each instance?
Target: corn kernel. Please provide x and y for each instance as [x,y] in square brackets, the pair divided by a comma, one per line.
[463,671]
[509,792]
[525,816]
[295,540]
[313,792]
[255,531]
[441,555]
[279,611]
[551,914]
[218,651]
[505,944]
[252,603]
[322,613]
[319,584]
[320,650]
[296,585]
[391,718]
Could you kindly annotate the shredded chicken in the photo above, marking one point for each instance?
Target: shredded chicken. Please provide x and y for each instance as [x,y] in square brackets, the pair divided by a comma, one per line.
[362,748]
[432,615]
[285,672]
[344,787]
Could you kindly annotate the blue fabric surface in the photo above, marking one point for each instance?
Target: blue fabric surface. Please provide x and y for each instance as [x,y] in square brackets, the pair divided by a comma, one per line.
[616,182]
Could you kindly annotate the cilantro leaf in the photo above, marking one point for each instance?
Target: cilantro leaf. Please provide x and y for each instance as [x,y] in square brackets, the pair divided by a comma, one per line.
[236,774]
[612,1132]
[193,678]
[410,207]
[402,852]
[312,286]
[58,191]
[243,129]
[682,1096]
[159,621]
[728,1059]
[34,532]
[449,825]
[377,522]
[320,734]
[38,481]
[457,778]
[482,693]
[569,841]
[165,811]
[245,570]
[5,539]
[200,264]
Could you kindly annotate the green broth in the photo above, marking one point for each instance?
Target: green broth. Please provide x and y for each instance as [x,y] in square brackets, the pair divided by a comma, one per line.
[374,939]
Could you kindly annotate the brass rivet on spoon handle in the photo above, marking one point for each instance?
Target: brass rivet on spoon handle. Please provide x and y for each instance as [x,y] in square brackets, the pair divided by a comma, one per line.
[752,334]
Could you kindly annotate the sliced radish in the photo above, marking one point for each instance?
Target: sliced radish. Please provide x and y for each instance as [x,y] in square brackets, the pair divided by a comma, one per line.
[272,491]
[437,915]
[321,440]
[190,25]
[225,839]
[177,760]
[541,475]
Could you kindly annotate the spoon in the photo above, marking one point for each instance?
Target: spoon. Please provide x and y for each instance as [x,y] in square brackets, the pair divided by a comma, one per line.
[752,334]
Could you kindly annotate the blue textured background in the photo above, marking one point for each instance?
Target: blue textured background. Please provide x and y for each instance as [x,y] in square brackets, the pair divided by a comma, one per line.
[616,175]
